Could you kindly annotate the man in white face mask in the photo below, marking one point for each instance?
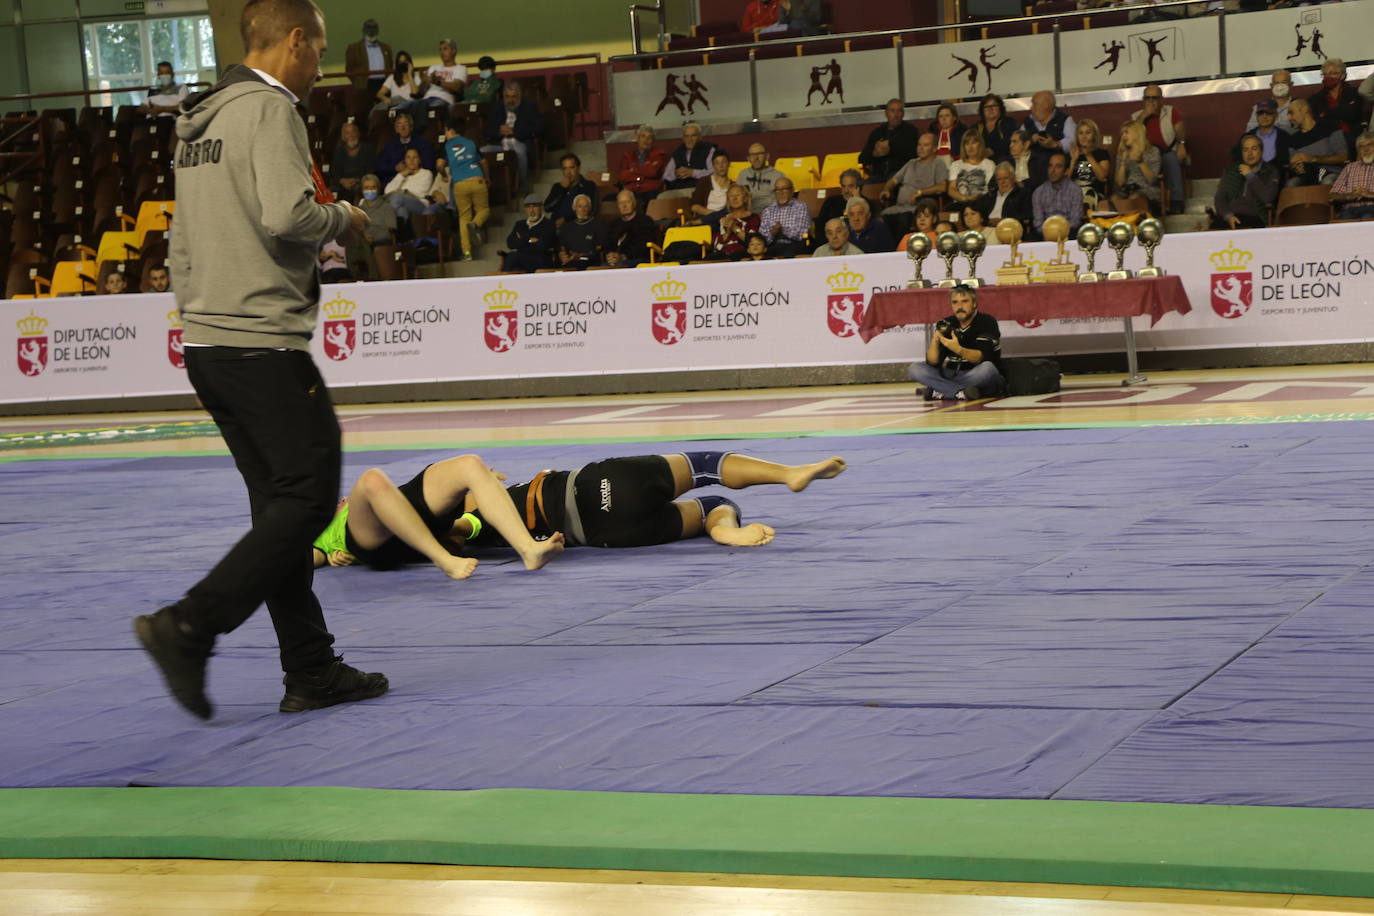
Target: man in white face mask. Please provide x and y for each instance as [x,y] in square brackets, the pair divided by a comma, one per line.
[165,95]
[486,87]
[1353,192]
[1281,87]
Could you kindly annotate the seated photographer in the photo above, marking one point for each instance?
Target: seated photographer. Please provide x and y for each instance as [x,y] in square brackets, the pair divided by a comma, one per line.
[962,361]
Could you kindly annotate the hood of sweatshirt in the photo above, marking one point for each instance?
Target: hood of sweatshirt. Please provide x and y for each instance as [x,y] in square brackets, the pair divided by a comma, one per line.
[197,111]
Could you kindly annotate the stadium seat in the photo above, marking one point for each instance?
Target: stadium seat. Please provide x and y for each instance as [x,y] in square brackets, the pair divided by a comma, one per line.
[699,234]
[154,214]
[73,278]
[117,246]
[814,198]
[673,208]
[1303,206]
[834,164]
[736,168]
[805,171]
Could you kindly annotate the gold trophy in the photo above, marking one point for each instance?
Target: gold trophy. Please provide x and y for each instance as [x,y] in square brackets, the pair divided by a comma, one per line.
[1119,236]
[972,244]
[947,246]
[917,247]
[1150,233]
[1014,272]
[1061,269]
[1090,239]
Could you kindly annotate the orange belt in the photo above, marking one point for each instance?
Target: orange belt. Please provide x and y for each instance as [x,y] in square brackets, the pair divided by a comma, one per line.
[534,500]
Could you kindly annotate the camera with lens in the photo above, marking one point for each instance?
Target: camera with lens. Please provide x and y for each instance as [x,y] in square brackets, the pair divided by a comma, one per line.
[944,327]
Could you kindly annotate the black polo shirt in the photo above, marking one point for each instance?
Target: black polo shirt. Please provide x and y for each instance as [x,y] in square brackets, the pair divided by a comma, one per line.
[981,334]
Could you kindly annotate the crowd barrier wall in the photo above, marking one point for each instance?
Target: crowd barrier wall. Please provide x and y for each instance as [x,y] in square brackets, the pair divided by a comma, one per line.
[1259,288]
[1071,61]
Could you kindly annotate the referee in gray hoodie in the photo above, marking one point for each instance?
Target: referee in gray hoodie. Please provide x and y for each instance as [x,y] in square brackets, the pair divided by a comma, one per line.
[244,256]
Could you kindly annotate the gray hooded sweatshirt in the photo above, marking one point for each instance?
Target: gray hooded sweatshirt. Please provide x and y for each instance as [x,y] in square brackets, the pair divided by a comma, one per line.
[247,232]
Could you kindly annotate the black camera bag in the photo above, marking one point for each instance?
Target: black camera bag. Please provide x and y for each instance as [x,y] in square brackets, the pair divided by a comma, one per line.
[1030,376]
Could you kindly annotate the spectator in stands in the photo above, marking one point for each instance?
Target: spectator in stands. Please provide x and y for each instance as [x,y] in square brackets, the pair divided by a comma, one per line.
[408,190]
[1007,199]
[351,161]
[1057,195]
[995,126]
[803,16]
[471,185]
[1049,128]
[381,224]
[948,131]
[1338,103]
[334,263]
[1316,148]
[890,145]
[558,203]
[403,89]
[869,234]
[583,237]
[837,243]
[755,248]
[709,200]
[971,220]
[1273,141]
[942,227]
[159,279]
[529,247]
[1366,92]
[971,175]
[1281,88]
[514,125]
[641,168]
[786,223]
[736,224]
[1353,192]
[1164,128]
[851,182]
[446,80]
[1019,158]
[368,54]
[759,15]
[1247,189]
[166,96]
[392,158]
[924,176]
[760,178]
[1090,165]
[923,220]
[114,283]
[631,235]
[689,163]
[1137,170]
[487,86]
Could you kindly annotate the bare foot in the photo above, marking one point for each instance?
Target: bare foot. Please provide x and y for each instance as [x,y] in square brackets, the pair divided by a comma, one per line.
[457,567]
[800,476]
[752,535]
[544,551]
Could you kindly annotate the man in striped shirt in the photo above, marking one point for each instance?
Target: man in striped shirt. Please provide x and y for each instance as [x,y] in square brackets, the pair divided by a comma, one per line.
[1353,192]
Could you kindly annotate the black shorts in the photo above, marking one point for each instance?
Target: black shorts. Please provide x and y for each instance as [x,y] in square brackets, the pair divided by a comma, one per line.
[628,502]
[396,552]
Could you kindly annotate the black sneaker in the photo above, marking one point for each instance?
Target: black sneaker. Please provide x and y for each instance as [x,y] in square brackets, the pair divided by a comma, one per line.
[971,393]
[328,686]
[927,394]
[179,656]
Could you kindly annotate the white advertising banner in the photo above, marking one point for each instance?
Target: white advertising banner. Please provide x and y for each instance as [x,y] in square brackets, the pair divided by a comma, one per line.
[667,98]
[815,84]
[1279,287]
[1134,55]
[968,69]
[1299,38]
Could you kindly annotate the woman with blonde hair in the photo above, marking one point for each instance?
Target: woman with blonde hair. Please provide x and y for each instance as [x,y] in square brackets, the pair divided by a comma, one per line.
[1137,170]
[970,175]
[1090,165]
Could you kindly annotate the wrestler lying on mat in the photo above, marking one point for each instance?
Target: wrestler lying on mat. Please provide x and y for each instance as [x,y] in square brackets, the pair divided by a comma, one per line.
[617,502]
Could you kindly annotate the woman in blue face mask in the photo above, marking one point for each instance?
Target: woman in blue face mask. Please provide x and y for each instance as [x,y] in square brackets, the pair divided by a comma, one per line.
[166,95]
[487,86]
[381,227]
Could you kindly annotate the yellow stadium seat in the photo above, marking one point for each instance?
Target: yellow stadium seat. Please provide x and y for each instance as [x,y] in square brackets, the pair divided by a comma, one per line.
[736,168]
[699,234]
[640,264]
[67,278]
[834,164]
[112,246]
[153,214]
[805,171]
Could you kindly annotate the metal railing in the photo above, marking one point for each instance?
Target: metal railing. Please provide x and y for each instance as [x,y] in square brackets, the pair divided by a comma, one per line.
[636,41]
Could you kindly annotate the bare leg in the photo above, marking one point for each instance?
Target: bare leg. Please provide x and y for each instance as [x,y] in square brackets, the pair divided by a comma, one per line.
[722,525]
[449,482]
[740,471]
[377,510]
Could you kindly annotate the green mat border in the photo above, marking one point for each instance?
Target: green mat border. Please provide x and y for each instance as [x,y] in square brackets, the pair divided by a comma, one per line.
[1326,851]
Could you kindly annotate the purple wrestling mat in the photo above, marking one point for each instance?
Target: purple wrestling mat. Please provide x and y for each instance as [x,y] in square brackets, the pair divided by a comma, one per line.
[1157,614]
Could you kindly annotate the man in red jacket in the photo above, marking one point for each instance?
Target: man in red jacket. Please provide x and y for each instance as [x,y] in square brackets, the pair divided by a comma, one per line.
[641,169]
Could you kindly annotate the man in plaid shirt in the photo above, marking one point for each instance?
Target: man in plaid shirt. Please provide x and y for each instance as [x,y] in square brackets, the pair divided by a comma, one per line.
[1353,192]
[786,223]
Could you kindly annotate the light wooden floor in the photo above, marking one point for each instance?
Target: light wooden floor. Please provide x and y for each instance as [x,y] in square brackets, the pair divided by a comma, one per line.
[119,887]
